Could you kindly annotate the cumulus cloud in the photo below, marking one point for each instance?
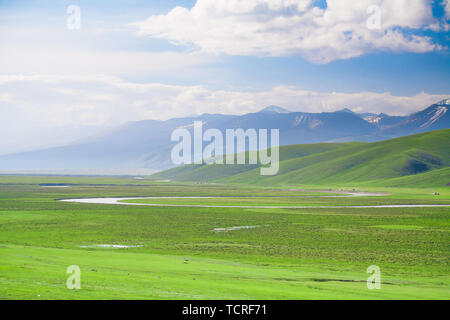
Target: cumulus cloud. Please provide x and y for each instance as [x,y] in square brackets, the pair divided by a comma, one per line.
[446,4]
[56,109]
[344,29]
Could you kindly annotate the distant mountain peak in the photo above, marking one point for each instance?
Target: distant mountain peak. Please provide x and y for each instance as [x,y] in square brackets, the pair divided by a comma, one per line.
[346,110]
[274,109]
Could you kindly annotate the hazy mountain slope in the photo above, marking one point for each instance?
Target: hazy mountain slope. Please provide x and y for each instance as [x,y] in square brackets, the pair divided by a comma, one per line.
[143,144]
[353,162]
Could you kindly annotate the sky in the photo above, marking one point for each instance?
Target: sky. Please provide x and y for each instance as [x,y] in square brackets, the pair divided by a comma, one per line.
[72,69]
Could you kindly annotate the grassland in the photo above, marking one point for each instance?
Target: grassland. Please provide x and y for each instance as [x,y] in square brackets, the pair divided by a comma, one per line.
[300,201]
[288,254]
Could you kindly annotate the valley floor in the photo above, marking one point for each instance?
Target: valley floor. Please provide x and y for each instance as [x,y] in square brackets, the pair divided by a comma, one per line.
[159,252]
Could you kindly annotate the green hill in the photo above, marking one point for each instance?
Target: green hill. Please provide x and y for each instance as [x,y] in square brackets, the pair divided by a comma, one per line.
[431,179]
[419,159]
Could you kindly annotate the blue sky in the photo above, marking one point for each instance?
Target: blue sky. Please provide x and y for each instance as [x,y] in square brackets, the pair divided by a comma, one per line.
[134,60]
[403,73]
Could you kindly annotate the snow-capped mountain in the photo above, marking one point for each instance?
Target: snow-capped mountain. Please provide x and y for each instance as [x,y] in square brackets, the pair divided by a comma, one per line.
[435,117]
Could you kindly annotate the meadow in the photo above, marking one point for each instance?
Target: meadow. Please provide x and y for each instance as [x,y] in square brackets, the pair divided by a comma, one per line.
[218,253]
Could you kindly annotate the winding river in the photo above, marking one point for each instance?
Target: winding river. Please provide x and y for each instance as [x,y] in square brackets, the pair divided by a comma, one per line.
[119,201]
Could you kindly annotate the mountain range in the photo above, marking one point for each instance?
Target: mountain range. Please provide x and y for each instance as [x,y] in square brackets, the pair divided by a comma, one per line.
[146,144]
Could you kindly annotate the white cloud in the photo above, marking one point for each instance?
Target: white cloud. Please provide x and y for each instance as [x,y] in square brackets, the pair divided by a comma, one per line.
[57,109]
[32,60]
[47,51]
[295,27]
[446,4]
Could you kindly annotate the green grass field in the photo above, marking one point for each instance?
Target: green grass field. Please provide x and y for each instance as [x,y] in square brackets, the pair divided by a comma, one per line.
[198,253]
[421,160]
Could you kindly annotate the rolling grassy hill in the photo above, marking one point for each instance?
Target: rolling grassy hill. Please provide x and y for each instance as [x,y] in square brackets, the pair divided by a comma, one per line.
[418,160]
